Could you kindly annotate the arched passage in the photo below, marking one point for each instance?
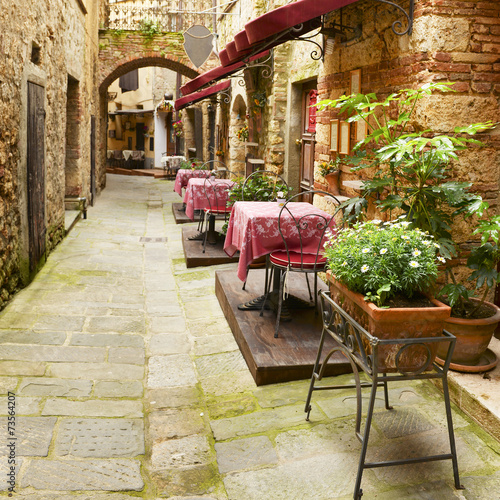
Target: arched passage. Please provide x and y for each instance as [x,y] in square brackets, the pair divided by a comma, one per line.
[120,53]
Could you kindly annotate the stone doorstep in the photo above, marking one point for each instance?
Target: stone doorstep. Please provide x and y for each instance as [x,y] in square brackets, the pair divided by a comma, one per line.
[476,394]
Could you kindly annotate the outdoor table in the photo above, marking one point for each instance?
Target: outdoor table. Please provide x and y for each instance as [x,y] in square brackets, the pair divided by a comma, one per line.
[183,176]
[200,196]
[172,163]
[253,230]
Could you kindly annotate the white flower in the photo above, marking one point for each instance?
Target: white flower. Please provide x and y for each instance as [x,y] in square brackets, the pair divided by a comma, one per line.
[383,251]
[426,242]
[344,263]
[376,221]
[441,259]
[365,250]
[414,264]
[405,237]
[436,245]
[405,223]
[416,252]
[364,268]
[280,194]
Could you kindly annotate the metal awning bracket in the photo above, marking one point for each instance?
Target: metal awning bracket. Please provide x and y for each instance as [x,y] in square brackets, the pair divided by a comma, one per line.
[398,25]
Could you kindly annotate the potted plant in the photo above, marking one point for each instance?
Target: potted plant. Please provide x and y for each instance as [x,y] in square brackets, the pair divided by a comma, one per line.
[178,128]
[411,168]
[379,274]
[243,134]
[330,171]
[474,320]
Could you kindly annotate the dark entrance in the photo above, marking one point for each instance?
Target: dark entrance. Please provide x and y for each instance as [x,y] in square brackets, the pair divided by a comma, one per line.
[36,174]
[308,134]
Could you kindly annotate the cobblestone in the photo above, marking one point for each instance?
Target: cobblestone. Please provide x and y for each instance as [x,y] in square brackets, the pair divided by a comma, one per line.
[142,392]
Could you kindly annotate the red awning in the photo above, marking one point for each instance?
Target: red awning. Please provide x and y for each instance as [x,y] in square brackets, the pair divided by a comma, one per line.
[202,94]
[215,74]
[283,18]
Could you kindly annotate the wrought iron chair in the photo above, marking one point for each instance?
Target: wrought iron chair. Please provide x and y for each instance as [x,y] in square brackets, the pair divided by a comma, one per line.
[303,239]
[263,185]
[216,192]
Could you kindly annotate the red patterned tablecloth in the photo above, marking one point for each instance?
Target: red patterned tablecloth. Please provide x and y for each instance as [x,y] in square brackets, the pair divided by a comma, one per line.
[199,198]
[253,230]
[183,176]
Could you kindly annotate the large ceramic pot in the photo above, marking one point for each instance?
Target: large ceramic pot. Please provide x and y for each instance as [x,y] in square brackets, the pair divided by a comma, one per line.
[473,337]
[333,180]
[395,323]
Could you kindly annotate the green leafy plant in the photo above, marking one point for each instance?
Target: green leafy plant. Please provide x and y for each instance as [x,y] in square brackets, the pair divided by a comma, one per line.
[381,260]
[259,188]
[149,28]
[243,133]
[412,172]
[482,263]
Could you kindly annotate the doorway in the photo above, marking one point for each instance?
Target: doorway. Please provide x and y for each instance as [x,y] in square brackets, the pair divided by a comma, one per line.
[308,137]
[36,174]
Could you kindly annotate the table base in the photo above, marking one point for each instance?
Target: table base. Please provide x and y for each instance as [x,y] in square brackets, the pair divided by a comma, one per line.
[290,302]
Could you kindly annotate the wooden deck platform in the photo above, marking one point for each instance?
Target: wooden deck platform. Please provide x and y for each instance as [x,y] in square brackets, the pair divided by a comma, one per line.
[291,356]
[179,214]
[193,250]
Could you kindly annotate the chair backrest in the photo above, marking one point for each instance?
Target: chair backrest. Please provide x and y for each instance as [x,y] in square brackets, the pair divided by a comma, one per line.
[304,228]
[264,185]
[216,192]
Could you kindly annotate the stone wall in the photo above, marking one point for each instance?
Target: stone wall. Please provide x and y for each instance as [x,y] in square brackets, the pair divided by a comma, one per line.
[44,42]
[452,41]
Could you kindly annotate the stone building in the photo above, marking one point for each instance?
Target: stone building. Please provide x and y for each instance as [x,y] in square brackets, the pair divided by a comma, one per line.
[48,104]
[449,40]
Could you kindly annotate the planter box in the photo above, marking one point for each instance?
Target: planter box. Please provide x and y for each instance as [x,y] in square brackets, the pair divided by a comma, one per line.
[395,323]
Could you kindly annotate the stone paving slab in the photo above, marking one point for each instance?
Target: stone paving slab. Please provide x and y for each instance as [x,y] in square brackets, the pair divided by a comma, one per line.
[33,435]
[26,368]
[38,386]
[96,371]
[118,389]
[93,408]
[90,475]
[37,338]
[182,452]
[106,340]
[100,438]
[171,371]
[50,353]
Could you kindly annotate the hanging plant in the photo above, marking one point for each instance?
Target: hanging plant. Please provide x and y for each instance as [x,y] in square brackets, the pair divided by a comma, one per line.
[178,128]
[259,99]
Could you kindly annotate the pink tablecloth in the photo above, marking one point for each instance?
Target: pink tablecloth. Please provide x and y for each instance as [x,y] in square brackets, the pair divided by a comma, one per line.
[201,195]
[253,230]
[183,176]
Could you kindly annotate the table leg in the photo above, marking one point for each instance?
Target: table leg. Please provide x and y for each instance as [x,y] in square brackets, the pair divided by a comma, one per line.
[211,233]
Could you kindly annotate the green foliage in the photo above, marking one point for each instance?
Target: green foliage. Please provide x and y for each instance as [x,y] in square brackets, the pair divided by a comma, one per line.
[117,33]
[381,260]
[328,167]
[149,28]
[258,188]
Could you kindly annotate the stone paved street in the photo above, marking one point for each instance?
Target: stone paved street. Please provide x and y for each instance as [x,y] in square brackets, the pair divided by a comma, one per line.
[127,384]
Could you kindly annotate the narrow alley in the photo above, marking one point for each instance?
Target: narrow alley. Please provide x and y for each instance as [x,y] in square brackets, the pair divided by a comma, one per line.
[124,381]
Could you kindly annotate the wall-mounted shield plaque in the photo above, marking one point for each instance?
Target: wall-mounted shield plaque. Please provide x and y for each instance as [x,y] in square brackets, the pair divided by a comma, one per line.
[198,44]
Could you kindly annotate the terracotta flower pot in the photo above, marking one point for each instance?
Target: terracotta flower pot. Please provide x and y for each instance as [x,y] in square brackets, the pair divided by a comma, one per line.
[333,182]
[394,323]
[473,337]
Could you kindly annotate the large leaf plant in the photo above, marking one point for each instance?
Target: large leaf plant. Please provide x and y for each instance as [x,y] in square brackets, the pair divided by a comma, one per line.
[411,172]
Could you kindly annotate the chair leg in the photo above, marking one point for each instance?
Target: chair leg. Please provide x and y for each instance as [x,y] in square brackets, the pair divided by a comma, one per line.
[280,301]
[308,286]
[266,294]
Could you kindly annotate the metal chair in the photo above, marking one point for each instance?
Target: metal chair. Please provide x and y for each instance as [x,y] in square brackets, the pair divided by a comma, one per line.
[263,185]
[216,192]
[303,239]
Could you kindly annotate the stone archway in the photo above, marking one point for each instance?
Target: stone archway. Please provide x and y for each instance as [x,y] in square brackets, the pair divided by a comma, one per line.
[124,51]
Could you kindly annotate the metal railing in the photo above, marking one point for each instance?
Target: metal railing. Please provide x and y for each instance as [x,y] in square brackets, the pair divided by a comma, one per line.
[163,15]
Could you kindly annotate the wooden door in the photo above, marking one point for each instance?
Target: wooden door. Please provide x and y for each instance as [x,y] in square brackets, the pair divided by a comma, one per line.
[308,138]
[36,174]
